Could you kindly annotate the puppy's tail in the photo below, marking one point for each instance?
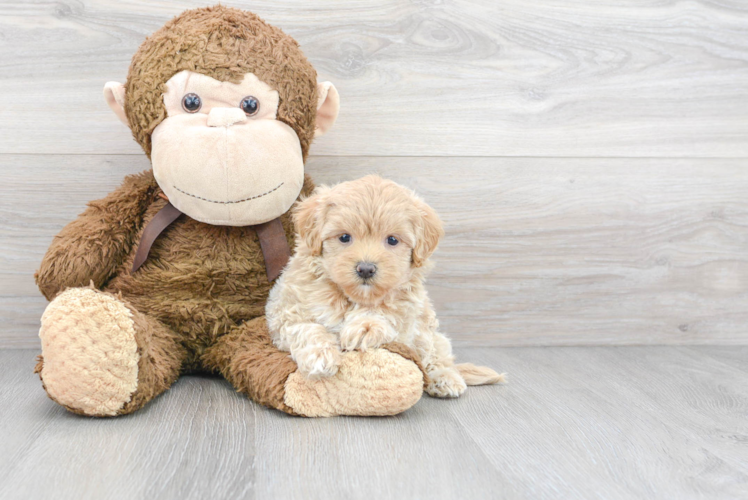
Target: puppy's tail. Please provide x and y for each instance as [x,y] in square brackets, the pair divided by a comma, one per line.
[479,375]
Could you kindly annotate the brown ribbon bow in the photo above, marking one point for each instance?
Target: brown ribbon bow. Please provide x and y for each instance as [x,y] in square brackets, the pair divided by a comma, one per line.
[272,238]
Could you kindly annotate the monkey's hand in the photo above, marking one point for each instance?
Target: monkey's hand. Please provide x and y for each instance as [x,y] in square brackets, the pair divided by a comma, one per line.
[92,247]
[366,332]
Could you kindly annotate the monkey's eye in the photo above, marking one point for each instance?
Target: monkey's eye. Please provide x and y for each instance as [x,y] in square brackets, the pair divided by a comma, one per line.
[392,241]
[345,238]
[250,105]
[192,103]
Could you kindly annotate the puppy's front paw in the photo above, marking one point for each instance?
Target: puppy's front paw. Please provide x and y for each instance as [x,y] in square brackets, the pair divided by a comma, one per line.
[318,361]
[366,333]
[445,383]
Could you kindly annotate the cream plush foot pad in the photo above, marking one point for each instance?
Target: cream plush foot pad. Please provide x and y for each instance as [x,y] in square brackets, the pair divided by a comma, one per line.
[90,353]
[376,382]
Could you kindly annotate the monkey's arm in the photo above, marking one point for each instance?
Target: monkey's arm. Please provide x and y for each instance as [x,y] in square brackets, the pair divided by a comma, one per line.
[92,247]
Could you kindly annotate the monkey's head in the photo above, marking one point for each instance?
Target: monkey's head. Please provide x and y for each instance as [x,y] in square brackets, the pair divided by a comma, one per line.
[225,106]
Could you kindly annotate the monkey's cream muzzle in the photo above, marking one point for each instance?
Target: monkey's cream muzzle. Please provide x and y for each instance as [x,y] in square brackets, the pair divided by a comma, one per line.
[223,169]
[218,164]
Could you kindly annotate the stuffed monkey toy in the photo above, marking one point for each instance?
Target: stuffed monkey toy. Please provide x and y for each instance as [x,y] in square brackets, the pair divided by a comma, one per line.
[170,273]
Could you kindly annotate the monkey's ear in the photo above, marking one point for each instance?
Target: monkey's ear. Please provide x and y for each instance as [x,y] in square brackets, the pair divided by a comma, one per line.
[429,231]
[328,105]
[308,218]
[114,93]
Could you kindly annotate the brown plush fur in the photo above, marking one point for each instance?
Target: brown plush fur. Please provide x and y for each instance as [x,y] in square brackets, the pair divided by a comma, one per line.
[260,371]
[162,355]
[92,247]
[199,280]
[197,302]
[225,44]
[199,283]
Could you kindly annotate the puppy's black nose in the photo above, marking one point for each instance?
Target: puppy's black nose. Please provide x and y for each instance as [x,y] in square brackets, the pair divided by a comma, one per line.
[366,269]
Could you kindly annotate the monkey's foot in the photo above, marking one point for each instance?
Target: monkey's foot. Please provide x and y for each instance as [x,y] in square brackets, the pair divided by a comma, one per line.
[378,382]
[90,355]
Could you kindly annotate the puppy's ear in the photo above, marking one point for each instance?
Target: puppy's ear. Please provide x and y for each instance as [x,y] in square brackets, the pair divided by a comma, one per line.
[308,218]
[429,231]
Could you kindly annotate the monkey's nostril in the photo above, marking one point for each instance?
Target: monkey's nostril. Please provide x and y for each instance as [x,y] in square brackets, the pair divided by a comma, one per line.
[366,269]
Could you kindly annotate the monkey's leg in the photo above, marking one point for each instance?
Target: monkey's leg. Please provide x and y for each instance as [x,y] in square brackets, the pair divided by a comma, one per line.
[382,381]
[101,357]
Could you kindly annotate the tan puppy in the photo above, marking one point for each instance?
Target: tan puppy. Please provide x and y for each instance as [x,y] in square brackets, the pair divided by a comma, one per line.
[356,281]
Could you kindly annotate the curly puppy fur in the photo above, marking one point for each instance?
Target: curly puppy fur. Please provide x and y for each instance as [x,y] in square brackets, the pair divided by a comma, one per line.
[324,303]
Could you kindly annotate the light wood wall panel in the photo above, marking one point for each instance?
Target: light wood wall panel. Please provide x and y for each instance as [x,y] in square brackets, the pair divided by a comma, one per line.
[588,158]
[566,78]
[538,251]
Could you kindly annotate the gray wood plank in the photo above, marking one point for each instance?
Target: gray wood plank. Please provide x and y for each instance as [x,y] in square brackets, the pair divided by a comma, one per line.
[612,422]
[424,453]
[575,422]
[460,78]
[732,357]
[538,251]
[197,439]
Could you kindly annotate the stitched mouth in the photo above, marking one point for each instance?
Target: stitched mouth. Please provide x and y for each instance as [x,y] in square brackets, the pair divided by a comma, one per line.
[229,202]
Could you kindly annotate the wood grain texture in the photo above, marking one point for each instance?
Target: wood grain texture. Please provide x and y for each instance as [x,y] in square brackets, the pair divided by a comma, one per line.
[609,422]
[537,252]
[460,78]
[586,423]
[203,429]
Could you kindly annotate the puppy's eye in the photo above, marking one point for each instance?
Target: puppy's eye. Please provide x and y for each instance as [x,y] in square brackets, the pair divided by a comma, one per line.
[250,105]
[191,103]
[392,241]
[345,238]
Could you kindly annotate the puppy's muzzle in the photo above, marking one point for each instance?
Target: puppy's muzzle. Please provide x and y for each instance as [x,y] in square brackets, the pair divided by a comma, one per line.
[366,270]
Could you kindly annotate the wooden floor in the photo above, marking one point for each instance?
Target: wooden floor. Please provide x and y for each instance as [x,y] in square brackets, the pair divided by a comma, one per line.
[574,422]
